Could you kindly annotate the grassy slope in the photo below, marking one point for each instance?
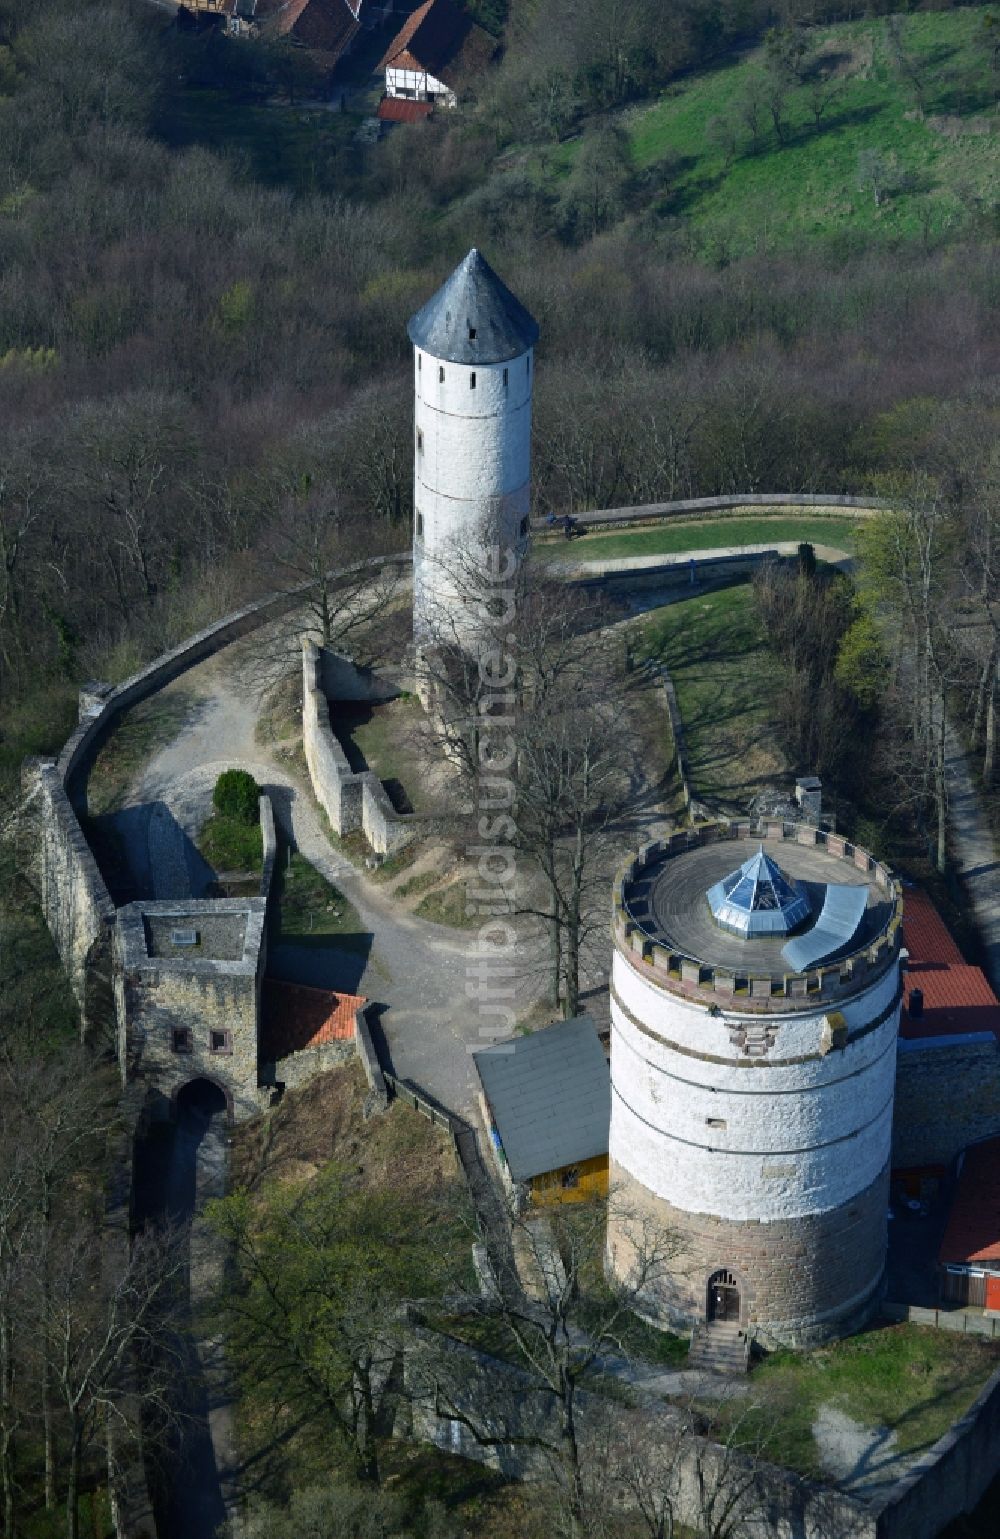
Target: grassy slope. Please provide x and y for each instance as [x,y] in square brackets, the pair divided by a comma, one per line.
[725,678]
[809,187]
[909,1378]
[671,538]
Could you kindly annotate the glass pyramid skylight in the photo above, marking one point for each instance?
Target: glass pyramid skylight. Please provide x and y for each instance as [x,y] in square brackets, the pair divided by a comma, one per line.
[758,899]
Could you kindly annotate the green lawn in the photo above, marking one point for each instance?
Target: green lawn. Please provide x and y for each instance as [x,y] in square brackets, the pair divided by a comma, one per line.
[670,538]
[725,679]
[229,844]
[809,186]
[910,1379]
[311,911]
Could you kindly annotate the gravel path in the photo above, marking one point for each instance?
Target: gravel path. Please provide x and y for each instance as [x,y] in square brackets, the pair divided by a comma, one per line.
[862,1459]
[417,970]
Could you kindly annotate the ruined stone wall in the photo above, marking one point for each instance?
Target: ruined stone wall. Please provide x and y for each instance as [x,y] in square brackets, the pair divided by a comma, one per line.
[351,801]
[947,1096]
[802,1281]
[74,899]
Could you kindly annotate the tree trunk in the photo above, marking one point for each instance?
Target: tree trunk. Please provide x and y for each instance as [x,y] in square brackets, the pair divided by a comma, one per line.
[555,956]
[7,1424]
[73,1488]
[990,751]
[941,796]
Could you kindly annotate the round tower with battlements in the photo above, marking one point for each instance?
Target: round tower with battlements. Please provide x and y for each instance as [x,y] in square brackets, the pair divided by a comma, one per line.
[755,1003]
[473,361]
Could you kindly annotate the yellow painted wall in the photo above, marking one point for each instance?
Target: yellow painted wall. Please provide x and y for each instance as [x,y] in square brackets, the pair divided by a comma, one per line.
[593,1182]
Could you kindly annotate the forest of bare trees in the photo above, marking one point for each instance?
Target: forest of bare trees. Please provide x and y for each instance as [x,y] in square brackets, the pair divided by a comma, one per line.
[180,346]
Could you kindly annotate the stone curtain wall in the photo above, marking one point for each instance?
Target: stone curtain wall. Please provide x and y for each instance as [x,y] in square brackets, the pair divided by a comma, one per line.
[951,1477]
[74,899]
[352,802]
[947,1096]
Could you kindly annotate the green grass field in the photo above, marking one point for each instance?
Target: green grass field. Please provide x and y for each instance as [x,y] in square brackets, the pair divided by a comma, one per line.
[311,911]
[935,142]
[668,539]
[909,1379]
[229,844]
[940,156]
[725,679]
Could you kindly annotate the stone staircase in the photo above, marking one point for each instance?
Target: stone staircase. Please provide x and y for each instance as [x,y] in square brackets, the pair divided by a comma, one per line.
[719,1347]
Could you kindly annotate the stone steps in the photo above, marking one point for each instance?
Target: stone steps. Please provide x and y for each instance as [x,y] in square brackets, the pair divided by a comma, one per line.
[719,1347]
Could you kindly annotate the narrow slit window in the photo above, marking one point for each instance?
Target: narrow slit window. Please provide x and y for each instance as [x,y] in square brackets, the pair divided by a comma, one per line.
[472,333]
[505,379]
[524,525]
[420,526]
[420,441]
[441,375]
[472,380]
[527,364]
[420,363]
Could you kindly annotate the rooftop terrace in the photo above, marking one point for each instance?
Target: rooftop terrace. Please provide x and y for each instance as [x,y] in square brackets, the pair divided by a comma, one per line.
[663,919]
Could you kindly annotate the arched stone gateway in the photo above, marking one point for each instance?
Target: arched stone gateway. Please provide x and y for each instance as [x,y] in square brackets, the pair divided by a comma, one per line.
[203,1097]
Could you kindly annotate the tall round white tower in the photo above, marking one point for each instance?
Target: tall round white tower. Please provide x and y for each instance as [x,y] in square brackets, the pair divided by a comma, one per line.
[473,368]
[755,1002]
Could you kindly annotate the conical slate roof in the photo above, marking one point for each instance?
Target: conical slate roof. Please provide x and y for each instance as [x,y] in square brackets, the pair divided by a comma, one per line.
[473,318]
[758,899]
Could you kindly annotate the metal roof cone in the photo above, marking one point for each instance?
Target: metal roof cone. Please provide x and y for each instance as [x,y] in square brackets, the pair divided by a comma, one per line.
[473,318]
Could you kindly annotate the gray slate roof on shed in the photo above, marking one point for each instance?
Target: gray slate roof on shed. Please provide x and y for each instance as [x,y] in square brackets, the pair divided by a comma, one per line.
[473,318]
[550,1094]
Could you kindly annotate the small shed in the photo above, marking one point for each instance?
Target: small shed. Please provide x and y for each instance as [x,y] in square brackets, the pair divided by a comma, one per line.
[546,1103]
[969,1258]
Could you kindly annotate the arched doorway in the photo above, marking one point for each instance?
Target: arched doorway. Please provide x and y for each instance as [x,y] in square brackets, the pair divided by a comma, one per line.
[201,1099]
[723,1297]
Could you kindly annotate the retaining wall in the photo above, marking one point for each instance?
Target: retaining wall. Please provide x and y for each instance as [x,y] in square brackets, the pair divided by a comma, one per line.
[440,1373]
[950,1479]
[351,801]
[947,1096]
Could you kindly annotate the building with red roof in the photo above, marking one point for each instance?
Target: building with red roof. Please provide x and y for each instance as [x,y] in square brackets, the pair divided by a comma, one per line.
[431,52]
[294,1018]
[396,109]
[944,996]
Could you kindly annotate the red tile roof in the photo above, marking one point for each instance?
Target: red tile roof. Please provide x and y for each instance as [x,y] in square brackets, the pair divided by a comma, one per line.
[398,109]
[441,39]
[957,996]
[294,1017]
[973,1232]
[324,25]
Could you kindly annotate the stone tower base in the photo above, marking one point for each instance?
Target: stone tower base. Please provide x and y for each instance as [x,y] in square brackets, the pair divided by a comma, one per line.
[800,1281]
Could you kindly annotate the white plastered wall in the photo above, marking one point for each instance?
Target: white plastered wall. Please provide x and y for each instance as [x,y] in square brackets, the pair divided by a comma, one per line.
[711,1132]
[472,471]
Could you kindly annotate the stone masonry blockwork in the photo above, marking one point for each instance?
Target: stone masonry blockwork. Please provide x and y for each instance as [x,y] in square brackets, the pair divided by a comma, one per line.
[801,1281]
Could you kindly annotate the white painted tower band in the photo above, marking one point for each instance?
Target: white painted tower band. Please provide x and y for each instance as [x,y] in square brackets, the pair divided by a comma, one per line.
[473,374]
